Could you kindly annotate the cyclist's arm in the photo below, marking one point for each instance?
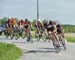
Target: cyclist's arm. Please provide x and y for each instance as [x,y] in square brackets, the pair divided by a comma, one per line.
[62,29]
[7,25]
[55,29]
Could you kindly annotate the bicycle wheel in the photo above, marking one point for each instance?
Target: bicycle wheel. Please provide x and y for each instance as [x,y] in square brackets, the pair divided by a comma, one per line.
[29,37]
[7,35]
[62,41]
[12,34]
[56,47]
[55,44]
[37,36]
[23,35]
[44,37]
[16,33]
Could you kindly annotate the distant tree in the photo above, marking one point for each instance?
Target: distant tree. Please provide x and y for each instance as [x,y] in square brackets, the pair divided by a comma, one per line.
[33,23]
[4,20]
[0,21]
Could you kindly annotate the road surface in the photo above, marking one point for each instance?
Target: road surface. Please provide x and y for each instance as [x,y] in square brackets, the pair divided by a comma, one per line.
[42,50]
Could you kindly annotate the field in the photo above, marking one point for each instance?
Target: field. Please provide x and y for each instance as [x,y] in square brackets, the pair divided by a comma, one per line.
[69,28]
[70,37]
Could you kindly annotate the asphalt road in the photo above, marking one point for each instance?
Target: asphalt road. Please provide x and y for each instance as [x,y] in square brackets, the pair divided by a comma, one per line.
[42,50]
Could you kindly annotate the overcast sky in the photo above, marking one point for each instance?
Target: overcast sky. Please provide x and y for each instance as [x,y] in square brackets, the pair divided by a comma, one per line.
[62,10]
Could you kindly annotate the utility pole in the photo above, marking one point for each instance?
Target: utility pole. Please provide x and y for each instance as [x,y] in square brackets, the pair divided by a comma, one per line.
[37,9]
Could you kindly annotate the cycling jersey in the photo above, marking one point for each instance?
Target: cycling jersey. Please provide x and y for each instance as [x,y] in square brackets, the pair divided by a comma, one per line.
[8,24]
[39,25]
[50,28]
[45,25]
[59,29]
[14,22]
[26,24]
[21,22]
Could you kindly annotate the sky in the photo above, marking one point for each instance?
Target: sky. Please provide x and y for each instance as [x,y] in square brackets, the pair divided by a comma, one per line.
[61,10]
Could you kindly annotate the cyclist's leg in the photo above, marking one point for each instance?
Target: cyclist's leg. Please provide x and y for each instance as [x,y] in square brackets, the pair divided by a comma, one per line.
[42,30]
[52,37]
[62,35]
[45,35]
[56,39]
[28,35]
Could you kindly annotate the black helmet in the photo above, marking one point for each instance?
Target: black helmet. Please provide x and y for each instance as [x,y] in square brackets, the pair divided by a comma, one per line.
[51,22]
[26,19]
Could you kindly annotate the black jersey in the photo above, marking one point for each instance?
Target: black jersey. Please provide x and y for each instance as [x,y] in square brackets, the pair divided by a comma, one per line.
[50,28]
[45,25]
[59,29]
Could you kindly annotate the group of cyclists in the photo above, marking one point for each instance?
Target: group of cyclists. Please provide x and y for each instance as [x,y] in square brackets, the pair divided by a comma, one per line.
[53,30]
[13,27]
[48,28]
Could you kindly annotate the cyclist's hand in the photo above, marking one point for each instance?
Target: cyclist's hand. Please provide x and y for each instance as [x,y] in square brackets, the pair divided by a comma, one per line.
[49,32]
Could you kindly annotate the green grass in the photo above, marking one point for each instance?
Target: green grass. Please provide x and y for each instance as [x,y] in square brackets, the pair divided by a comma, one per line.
[9,52]
[71,39]
[69,28]
[68,37]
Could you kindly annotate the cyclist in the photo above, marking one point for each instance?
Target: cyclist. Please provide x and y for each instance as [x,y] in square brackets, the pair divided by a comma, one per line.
[14,23]
[51,30]
[60,33]
[27,29]
[21,24]
[8,27]
[39,26]
[60,30]
[45,24]
[8,23]
[26,25]
[20,27]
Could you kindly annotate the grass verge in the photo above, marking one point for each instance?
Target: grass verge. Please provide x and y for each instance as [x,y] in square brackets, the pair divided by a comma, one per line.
[71,39]
[9,52]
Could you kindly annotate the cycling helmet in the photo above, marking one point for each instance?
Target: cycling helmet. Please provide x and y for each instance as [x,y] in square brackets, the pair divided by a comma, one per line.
[26,19]
[51,22]
[39,20]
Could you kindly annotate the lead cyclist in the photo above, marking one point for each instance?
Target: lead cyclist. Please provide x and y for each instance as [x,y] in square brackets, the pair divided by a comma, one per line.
[60,33]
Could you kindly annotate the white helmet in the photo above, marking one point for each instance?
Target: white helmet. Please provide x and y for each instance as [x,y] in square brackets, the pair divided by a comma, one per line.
[9,18]
[39,19]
